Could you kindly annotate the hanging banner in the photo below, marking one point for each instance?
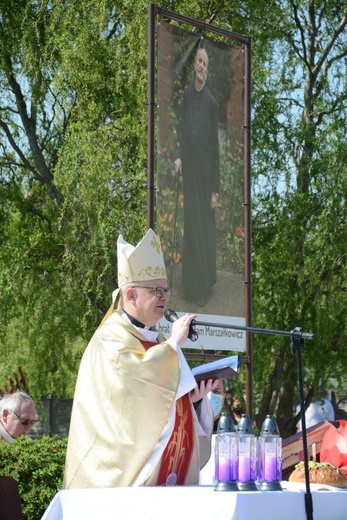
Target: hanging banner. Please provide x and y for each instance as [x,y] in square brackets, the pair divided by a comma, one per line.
[200,181]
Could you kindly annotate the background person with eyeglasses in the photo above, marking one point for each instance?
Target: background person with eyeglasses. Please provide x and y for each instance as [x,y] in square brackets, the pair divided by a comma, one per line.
[18,415]
[133,419]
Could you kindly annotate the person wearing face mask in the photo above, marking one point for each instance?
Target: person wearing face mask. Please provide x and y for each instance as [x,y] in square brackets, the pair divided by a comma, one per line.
[234,404]
[17,416]
[217,399]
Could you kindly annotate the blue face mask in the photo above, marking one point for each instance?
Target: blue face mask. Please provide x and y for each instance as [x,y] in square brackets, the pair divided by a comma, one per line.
[216,401]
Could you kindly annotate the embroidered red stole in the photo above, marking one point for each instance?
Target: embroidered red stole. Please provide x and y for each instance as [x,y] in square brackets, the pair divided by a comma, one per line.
[176,457]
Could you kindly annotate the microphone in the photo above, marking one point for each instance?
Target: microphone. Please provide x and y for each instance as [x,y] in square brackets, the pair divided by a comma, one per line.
[171,316]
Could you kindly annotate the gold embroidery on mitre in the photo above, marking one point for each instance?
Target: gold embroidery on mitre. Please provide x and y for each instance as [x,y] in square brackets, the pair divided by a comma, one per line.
[122,279]
[156,245]
[152,272]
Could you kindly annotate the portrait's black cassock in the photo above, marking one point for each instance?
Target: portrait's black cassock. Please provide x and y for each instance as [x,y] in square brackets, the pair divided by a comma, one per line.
[199,151]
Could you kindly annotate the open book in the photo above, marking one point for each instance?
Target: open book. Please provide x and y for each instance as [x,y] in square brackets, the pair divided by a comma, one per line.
[225,368]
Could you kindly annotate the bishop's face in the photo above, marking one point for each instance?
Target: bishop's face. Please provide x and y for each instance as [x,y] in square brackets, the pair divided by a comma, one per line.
[145,305]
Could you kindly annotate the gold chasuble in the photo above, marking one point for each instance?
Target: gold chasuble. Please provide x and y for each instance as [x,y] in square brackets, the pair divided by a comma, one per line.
[178,452]
[128,427]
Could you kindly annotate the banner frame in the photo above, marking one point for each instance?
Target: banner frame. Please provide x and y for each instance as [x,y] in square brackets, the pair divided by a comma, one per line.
[153,12]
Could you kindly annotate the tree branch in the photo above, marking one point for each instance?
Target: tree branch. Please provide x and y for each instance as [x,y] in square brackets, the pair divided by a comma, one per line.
[19,152]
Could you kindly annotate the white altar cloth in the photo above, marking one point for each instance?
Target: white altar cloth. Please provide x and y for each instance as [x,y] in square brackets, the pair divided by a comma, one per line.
[201,502]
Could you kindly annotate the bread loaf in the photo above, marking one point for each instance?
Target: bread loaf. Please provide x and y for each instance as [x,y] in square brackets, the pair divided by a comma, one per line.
[320,473]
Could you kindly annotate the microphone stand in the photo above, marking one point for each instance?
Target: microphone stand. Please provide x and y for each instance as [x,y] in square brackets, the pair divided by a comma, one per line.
[297,338]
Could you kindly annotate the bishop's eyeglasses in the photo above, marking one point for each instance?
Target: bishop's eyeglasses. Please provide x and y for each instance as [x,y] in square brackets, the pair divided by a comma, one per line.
[159,292]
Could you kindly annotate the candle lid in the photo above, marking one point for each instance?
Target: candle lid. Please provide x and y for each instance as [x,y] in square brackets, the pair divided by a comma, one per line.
[225,424]
[269,426]
[245,424]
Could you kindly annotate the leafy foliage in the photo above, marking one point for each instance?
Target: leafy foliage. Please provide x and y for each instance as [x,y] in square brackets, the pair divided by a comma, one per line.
[73,172]
[299,169]
[38,468]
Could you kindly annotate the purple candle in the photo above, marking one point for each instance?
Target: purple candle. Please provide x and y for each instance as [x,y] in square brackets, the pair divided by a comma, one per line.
[270,470]
[234,469]
[223,469]
[244,468]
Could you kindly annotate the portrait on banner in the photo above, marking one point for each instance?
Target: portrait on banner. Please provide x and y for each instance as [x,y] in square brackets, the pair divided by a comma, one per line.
[200,171]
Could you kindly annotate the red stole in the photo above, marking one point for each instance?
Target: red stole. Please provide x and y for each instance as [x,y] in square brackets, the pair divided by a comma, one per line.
[176,457]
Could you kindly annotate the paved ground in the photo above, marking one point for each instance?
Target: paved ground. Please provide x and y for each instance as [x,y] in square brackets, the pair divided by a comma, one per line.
[227,298]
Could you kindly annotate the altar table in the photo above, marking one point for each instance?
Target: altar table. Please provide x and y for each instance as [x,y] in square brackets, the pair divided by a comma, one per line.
[199,502]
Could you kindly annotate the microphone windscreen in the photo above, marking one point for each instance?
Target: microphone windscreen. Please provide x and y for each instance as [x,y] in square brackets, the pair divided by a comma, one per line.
[170,315]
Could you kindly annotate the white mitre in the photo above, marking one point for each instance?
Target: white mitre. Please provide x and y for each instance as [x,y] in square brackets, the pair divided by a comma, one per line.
[141,263]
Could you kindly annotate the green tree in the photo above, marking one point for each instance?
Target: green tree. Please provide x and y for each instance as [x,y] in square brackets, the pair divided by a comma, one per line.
[73,175]
[299,170]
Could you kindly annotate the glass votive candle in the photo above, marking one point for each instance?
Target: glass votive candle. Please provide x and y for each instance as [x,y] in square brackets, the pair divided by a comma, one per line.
[247,455]
[226,456]
[270,463]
